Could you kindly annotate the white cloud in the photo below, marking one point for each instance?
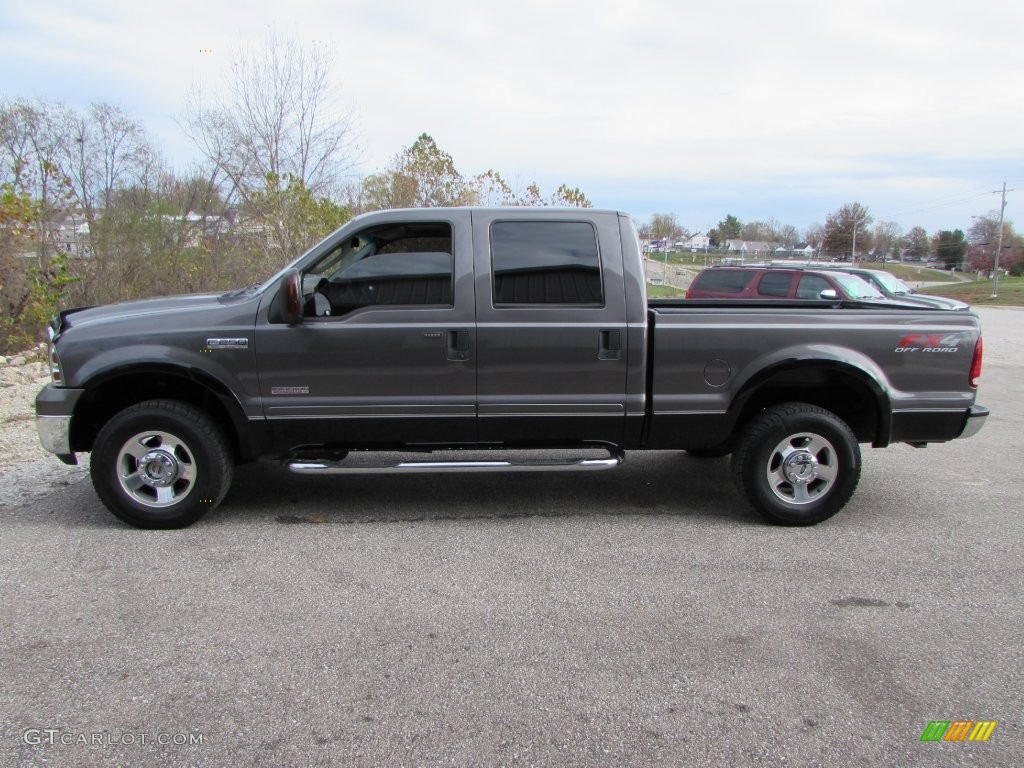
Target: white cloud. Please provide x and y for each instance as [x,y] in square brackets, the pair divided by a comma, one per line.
[903,101]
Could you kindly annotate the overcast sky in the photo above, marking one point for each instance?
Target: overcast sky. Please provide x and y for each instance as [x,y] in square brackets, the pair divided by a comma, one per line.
[784,109]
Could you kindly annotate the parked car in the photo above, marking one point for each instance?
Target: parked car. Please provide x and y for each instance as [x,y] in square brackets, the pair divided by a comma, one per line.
[894,288]
[780,283]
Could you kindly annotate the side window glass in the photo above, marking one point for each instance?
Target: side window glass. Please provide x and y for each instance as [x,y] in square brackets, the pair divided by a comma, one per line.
[775,284]
[545,262]
[724,280]
[811,286]
[385,265]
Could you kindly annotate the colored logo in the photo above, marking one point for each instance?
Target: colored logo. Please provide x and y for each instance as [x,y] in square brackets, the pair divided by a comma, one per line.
[958,730]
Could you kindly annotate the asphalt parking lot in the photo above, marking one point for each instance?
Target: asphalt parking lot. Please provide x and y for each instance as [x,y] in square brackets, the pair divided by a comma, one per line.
[638,617]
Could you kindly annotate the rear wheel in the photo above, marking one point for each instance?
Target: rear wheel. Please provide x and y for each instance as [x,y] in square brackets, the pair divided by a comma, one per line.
[797,464]
[161,464]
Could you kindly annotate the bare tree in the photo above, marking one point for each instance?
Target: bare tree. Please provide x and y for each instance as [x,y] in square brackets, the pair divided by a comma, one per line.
[888,238]
[278,120]
[103,150]
[30,154]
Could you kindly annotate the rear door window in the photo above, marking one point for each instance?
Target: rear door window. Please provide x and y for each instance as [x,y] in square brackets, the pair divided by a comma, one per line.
[775,284]
[546,262]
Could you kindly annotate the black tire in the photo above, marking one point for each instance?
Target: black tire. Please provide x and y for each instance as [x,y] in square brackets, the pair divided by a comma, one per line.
[797,464]
[161,464]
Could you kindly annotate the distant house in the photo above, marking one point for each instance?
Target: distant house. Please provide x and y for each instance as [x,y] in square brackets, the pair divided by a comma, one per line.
[750,247]
[72,235]
[697,243]
[804,250]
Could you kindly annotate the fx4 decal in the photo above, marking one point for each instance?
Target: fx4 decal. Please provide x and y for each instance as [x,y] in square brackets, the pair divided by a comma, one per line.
[930,342]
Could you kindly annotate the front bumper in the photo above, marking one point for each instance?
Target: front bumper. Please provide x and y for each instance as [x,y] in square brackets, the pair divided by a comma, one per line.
[55,407]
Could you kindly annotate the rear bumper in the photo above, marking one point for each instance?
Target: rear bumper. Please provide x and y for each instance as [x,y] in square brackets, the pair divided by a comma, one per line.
[975,420]
[936,426]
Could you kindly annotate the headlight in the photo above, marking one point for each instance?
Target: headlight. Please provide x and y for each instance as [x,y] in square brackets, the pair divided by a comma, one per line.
[56,374]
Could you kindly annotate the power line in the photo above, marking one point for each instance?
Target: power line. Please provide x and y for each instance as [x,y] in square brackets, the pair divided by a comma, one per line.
[934,206]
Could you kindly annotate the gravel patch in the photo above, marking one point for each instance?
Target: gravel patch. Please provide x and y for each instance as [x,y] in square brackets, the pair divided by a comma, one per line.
[27,472]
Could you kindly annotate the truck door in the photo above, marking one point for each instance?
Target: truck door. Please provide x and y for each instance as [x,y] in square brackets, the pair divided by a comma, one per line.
[551,327]
[386,352]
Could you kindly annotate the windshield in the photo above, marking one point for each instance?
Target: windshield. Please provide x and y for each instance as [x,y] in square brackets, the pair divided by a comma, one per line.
[891,283]
[856,288]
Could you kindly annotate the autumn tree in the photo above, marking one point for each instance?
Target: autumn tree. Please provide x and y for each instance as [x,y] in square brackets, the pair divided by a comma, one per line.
[422,175]
[983,240]
[847,230]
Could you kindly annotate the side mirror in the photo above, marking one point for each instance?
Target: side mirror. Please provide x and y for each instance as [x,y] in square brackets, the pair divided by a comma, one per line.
[291,297]
[828,294]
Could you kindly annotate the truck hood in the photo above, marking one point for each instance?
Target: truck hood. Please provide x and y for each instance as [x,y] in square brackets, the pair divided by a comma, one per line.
[129,310]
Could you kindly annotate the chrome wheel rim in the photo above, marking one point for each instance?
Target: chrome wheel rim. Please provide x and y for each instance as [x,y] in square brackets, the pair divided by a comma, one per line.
[156,469]
[802,468]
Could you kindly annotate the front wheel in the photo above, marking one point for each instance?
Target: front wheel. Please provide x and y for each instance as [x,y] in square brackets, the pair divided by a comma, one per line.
[161,464]
[797,464]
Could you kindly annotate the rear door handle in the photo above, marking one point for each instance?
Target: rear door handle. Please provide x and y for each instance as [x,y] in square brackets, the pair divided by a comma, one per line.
[611,345]
[458,344]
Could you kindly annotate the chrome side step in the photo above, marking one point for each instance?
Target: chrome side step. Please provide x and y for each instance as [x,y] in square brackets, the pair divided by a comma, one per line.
[347,467]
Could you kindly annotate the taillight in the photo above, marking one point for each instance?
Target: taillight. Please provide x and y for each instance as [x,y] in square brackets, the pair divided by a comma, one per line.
[976,364]
[56,373]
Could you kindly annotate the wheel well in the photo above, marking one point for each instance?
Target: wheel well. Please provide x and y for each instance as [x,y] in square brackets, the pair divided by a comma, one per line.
[835,389]
[101,402]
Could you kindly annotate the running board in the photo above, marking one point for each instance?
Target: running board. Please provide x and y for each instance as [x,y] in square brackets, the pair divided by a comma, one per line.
[315,467]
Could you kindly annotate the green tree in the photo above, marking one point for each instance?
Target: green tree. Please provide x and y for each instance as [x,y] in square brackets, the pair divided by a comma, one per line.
[18,213]
[728,229]
[294,218]
[917,244]
[950,247]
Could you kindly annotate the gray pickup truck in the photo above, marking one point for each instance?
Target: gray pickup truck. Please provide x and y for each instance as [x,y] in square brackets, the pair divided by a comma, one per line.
[470,339]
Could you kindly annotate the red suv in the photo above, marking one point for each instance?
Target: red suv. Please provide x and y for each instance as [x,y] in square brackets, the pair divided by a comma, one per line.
[765,283]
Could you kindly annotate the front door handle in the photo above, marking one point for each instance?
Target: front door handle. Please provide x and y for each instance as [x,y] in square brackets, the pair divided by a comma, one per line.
[458,345]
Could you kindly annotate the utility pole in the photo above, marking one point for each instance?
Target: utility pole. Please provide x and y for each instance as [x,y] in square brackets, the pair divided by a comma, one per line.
[999,247]
[853,248]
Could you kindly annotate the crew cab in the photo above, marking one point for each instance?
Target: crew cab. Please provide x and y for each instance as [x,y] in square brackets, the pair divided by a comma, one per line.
[458,336]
